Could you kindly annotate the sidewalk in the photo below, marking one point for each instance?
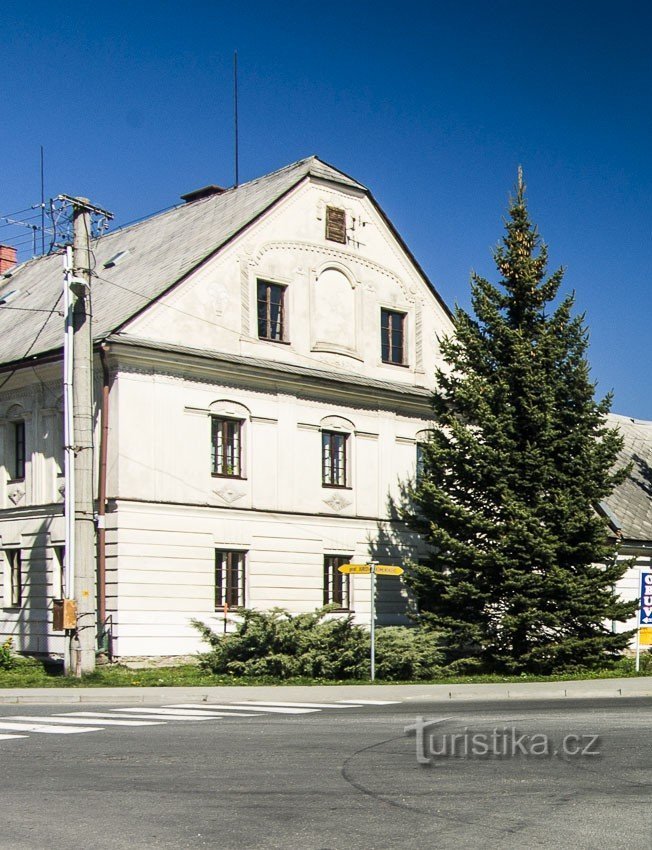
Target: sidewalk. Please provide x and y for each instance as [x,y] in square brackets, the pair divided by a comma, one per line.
[590,689]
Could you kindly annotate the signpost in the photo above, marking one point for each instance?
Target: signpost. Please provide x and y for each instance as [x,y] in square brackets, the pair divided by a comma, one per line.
[373,568]
[643,632]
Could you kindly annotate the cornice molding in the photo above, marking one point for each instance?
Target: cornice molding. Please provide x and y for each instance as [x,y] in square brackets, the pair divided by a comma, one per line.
[198,369]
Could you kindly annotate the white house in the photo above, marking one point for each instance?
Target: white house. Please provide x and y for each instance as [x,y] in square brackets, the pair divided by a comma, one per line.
[268,355]
[629,508]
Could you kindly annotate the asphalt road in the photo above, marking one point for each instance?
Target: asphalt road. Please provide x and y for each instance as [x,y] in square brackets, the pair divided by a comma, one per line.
[335,779]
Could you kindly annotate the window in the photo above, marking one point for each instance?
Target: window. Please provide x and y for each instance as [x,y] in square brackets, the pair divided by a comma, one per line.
[336,584]
[229,579]
[271,311]
[226,447]
[420,463]
[17,470]
[15,576]
[336,225]
[58,572]
[334,446]
[392,337]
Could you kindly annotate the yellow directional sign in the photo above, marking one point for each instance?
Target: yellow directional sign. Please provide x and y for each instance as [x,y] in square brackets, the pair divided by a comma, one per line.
[363,569]
[645,635]
[387,570]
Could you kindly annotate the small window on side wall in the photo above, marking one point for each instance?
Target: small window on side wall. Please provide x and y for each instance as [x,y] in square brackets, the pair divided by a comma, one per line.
[58,571]
[392,337]
[336,584]
[272,320]
[336,225]
[420,463]
[14,586]
[229,579]
[226,447]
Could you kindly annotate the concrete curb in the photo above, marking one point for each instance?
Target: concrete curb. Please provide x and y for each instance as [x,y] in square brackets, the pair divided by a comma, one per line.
[589,689]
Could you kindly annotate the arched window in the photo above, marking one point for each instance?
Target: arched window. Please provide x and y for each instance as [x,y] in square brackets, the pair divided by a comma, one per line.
[336,451]
[422,438]
[16,454]
[228,431]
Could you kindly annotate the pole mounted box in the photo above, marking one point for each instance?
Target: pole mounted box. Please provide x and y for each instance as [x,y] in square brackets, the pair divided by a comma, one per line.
[64,614]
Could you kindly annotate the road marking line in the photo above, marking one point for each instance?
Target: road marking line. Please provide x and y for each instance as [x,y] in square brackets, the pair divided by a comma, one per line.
[173,713]
[294,704]
[48,730]
[82,721]
[371,701]
[241,706]
[158,718]
[11,737]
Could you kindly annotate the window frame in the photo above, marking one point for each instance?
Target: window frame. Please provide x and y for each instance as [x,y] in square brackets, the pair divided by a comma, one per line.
[329,465]
[19,450]
[389,330]
[282,288]
[14,578]
[419,467]
[224,571]
[225,423]
[58,565]
[330,574]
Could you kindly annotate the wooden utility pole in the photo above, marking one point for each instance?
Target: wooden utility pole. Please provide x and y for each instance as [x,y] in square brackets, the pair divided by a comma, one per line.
[84,637]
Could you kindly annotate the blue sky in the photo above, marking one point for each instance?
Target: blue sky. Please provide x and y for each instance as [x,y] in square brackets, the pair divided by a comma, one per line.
[432,105]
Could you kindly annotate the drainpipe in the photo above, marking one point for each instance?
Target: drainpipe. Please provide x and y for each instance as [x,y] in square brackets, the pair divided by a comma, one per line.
[101,495]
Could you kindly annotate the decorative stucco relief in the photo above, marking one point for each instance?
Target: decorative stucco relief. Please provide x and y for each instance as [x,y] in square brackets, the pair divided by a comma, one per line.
[337,502]
[229,494]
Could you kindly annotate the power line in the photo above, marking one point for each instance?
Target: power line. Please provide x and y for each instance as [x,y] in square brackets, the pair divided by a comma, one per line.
[17,212]
[169,306]
[31,310]
[34,341]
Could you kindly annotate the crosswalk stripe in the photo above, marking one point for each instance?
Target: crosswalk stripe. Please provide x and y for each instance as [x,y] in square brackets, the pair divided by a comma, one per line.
[243,706]
[174,713]
[294,704]
[158,718]
[48,729]
[11,737]
[371,701]
[82,721]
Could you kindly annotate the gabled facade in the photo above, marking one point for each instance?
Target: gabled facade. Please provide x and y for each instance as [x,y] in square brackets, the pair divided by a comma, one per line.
[269,353]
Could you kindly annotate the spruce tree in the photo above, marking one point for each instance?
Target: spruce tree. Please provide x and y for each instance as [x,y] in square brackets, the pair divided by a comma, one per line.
[522,574]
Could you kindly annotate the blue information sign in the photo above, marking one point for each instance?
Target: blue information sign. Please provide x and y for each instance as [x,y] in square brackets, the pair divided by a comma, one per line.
[646,599]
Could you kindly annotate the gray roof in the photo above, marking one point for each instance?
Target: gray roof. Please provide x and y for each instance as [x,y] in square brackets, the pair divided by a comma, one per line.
[161,251]
[630,505]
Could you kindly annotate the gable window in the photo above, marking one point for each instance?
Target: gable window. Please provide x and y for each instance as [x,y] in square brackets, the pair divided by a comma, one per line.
[392,337]
[17,465]
[336,225]
[271,311]
[229,579]
[14,578]
[226,447]
[334,458]
[336,584]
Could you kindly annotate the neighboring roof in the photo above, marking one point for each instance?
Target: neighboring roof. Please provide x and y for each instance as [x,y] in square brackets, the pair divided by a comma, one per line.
[161,250]
[631,503]
[278,369]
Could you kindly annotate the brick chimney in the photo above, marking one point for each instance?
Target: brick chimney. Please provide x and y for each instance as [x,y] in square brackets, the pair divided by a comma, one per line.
[7,258]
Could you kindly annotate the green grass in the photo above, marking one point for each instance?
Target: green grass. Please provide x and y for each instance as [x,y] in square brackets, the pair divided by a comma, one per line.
[29,673]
